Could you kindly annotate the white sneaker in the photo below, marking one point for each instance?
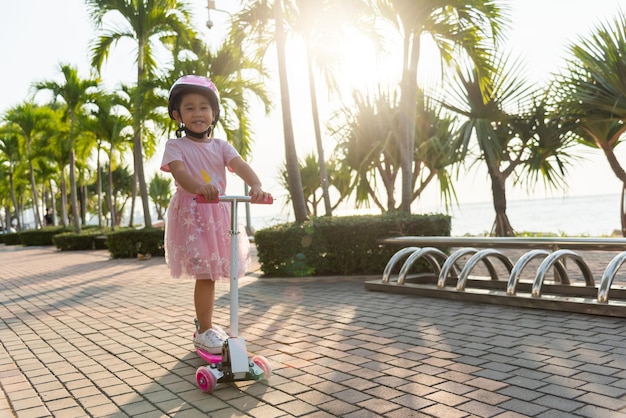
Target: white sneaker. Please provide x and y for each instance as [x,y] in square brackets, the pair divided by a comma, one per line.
[220,331]
[209,341]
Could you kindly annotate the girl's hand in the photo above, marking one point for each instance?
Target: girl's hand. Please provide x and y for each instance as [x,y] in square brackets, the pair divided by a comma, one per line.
[209,191]
[257,194]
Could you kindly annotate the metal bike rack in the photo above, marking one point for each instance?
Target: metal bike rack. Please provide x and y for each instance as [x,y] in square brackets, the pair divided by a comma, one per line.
[561,294]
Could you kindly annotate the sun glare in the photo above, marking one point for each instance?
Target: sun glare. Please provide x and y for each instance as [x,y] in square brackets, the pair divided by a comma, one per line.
[365,69]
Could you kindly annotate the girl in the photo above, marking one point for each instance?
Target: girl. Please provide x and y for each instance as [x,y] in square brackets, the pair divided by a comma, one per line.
[197,235]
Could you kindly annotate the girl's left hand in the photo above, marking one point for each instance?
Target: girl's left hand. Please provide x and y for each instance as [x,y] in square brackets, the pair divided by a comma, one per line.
[258,195]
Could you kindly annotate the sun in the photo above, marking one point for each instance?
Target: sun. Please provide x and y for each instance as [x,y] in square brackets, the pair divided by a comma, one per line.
[365,68]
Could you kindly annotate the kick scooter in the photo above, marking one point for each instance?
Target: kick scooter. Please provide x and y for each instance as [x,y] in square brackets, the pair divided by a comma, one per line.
[234,364]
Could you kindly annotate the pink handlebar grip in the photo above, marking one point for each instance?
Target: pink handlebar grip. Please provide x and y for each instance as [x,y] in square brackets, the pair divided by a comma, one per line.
[267,201]
[201,199]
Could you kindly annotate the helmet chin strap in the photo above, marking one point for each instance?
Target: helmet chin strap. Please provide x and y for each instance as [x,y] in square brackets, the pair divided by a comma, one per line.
[197,135]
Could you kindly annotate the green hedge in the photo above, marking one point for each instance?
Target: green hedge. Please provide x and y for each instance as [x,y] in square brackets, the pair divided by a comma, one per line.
[128,243]
[32,237]
[89,239]
[339,245]
[12,238]
[122,243]
[40,237]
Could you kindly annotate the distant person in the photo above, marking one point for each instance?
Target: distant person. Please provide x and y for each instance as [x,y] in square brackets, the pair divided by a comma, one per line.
[48,219]
[197,241]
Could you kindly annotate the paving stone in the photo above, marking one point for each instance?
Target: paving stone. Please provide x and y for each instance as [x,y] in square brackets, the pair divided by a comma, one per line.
[480,409]
[602,401]
[558,403]
[446,398]
[522,407]
[443,411]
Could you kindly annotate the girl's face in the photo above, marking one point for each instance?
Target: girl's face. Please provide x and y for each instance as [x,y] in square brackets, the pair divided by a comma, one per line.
[195,112]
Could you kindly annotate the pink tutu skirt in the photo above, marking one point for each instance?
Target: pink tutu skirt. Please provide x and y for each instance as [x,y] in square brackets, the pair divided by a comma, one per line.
[197,239]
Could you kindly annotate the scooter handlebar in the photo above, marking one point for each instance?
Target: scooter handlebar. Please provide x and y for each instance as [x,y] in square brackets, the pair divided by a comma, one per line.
[201,199]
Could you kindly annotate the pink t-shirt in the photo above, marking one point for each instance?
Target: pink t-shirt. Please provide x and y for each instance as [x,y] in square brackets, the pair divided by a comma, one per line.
[205,161]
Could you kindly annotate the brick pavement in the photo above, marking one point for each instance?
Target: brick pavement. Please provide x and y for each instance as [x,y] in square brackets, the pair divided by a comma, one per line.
[84,335]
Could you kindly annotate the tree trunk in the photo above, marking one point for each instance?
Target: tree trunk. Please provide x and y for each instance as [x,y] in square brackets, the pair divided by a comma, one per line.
[501,227]
[53,204]
[14,200]
[623,210]
[35,195]
[617,169]
[133,200]
[408,111]
[99,185]
[291,157]
[318,140]
[43,204]
[137,143]
[83,204]
[73,193]
[110,193]
[141,180]
[64,220]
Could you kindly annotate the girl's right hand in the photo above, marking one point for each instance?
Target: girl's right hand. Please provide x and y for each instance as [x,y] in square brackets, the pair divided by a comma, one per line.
[209,191]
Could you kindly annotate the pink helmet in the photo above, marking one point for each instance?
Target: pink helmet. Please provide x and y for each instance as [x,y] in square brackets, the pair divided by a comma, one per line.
[196,84]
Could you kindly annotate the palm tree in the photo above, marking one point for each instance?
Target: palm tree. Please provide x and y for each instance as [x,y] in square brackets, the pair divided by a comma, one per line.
[593,94]
[5,197]
[516,133]
[145,22]
[338,177]
[49,172]
[122,186]
[161,193]
[74,91]
[255,18]
[309,173]
[56,146]
[291,155]
[453,25]
[29,121]
[367,147]
[108,127]
[84,150]
[320,24]
[10,156]
[368,137]
[435,151]
[151,115]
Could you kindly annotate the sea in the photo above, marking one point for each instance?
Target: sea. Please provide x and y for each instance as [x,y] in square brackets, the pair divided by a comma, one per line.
[593,216]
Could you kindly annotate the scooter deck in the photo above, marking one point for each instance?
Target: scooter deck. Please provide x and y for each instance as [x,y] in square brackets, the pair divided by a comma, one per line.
[208,357]
[214,358]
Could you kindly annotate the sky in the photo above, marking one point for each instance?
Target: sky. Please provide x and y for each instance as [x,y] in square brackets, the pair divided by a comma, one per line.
[38,35]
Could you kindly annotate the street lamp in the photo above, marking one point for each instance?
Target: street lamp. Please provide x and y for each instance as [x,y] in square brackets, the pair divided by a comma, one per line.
[210,24]
[211,6]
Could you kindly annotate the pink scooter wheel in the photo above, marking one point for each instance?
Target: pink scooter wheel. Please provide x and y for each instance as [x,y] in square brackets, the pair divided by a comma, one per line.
[264,365]
[205,379]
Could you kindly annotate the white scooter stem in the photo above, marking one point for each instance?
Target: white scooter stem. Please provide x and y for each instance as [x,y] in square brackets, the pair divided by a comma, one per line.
[234,254]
